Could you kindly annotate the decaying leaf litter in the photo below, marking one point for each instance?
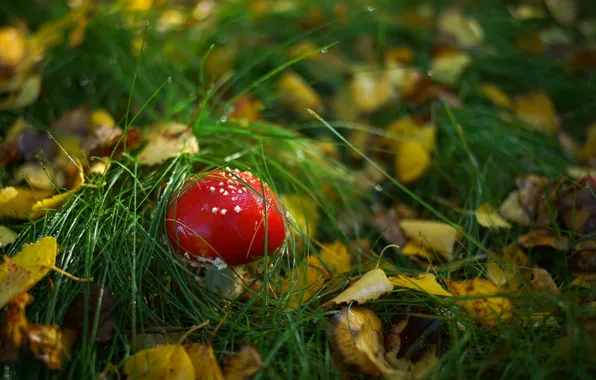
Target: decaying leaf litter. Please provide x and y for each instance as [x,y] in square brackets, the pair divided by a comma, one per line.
[440,220]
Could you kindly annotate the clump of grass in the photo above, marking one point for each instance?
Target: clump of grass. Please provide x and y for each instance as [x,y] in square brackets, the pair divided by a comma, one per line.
[114,232]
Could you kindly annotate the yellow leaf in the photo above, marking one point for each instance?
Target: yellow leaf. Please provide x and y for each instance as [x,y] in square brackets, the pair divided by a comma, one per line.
[17,202]
[437,236]
[40,207]
[485,307]
[537,110]
[496,95]
[488,216]
[542,281]
[447,69]
[40,177]
[305,280]
[245,363]
[203,361]
[369,90]
[578,172]
[163,362]
[25,95]
[370,287]
[7,236]
[221,60]
[587,281]
[466,31]
[504,268]
[357,341]
[13,46]
[50,344]
[15,321]
[425,282]
[425,364]
[304,214]
[20,272]
[589,148]
[165,141]
[411,162]
[296,95]
[336,257]
[512,211]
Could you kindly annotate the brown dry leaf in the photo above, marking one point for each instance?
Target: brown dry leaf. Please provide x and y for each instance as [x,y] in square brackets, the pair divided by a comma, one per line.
[369,90]
[424,282]
[165,141]
[584,261]
[542,281]
[246,362]
[296,95]
[336,257]
[577,207]
[50,344]
[437,236]
[75,315]
[105,141]
[15,322]
[486,309]
[505,268]
[20,272]
[386,221]
[357,343]
[399,56]
[246,109]
[7,236]
[448,68]
[564,11]
[544,238]
[496,95]
[537,109]
[464,31]
[164,362]
[488,216]
[203,361]
[370,287]
[305,280]
[587,281]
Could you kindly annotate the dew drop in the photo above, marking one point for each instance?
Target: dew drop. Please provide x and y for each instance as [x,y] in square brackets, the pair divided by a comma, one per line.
[379,188]
[169,79]
[223,119]
[84,81]
[324,51]
[370,8]
[430,73]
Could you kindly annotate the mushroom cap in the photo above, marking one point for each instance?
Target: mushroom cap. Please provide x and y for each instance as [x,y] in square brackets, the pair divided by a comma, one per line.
[227,215]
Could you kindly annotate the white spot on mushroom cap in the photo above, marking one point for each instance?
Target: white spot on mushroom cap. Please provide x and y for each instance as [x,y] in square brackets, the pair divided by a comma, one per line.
[221,190]
[212,189]
[224,211]
[221,184]
[214,210]
[225,193]
[237,208]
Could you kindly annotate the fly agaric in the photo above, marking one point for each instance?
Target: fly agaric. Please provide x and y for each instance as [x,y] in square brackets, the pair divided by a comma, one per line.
[220,217]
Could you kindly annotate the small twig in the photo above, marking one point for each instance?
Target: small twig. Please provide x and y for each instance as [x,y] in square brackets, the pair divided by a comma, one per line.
[193,329]
[383,252]
[74,278]
[218,326]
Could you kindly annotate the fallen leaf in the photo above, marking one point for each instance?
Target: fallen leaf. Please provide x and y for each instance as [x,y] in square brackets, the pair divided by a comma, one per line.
[49,344]
[587,281]
[303,214]
[40,177]
[511,210]
[415,249]
[564,11]
[42,206]
[424,282]
[537,109]
[245,109]
[447,69]
[579,172]
[488,216]
[369,90]
[486,308]
[296,95]
[386,221]
[505,267]
[542,281]
[164,362]
[75,315]
[588,150]
[370,287]
[304,281]
[203,361]
[412,161]
[17,202]
[246,362]
[531,43]
[16,323]
[496,95]
[577,207]
[464,31]
[336,257]
[544,238]
[20,272]
[399,56]
[7,236]
[437,236]
[584,261]
[165,141]
[26,95]
[221,60]
[357,342]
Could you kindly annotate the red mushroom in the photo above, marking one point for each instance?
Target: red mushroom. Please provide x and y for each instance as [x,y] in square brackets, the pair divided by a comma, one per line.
[221,217]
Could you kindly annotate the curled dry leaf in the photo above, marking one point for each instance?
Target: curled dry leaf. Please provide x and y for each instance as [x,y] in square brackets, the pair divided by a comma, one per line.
[203,362]
[7,236]
[22,271]
[75,315]
[538,110]
[164,362]
[336,257]
[357,343]
[486,307]
[165,141]
[437,236]
[542,281]
[488,216]
[424,282]
[370,287]
[455,28]
[296,95]
[246,362]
